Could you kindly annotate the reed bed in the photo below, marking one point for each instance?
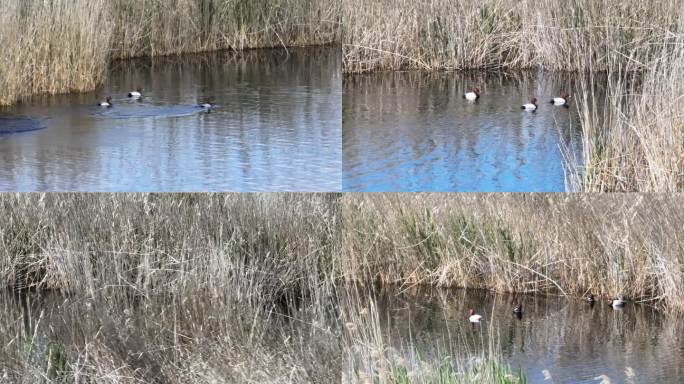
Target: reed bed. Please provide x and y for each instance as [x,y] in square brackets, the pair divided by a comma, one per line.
[65,46]
[539,243]
[169,288]
[565,35]
[52,47]
[633,137]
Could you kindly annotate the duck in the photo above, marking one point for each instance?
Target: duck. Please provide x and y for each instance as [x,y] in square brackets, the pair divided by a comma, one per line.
[107,103]
[137,94]
[474,317]
[207,106]
[590,298]
[618,302]
[531,106]
[562,100]
[472,95]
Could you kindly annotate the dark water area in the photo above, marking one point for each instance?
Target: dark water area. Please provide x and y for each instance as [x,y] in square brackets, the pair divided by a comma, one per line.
[17,124]
[414,131]
[569,341]
[276,127]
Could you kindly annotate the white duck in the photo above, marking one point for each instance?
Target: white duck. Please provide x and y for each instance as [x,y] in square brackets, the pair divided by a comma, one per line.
[531,106]
[107,103]
[206,105]
[474,317]
[618,302]
[562,101]
[472,95]
[137,94]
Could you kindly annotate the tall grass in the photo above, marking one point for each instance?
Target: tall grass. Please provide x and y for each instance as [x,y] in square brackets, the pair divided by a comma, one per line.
[560,34]
[565,244]
[51,47]
[64,46]
[633,138]
[171,288]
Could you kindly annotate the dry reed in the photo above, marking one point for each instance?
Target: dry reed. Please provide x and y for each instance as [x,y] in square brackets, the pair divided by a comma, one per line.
[65,46]
[566,244]
[559,34]
[171,288]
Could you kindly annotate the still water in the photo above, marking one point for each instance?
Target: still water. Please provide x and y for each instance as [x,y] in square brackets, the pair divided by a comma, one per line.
[413,131]
[276,127]
[571,340]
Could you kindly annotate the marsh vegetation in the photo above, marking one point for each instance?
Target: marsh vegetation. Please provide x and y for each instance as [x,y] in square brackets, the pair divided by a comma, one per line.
[570,245]
[168,288]
[632,136]
[547,251]
[66,46]
[293,287]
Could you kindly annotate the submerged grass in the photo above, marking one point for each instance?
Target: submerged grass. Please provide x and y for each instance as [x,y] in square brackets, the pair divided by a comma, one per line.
[632,137]
[64,46]
[169,288]
[566,244]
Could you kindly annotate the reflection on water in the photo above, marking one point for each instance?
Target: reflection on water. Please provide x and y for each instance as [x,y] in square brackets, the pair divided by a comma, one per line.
[412,131]
[276,128]
[573,341]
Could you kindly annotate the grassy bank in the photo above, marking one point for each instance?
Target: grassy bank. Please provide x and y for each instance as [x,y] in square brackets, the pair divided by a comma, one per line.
[65,46]
[170,288]
[567,244]
[632,137]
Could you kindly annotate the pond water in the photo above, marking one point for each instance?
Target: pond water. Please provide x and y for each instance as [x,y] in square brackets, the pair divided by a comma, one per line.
[413,131]
[572,340]
[276,127]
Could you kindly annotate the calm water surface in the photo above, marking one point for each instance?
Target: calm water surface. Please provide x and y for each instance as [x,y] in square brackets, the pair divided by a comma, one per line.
[277,128]
[573,341]
[413,131]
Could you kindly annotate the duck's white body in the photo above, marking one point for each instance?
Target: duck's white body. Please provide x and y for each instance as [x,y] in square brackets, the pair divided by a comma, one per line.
[529,107]
[618,303]
[135,95]
[104,104]
[475,318]
[470,96]
[559,101]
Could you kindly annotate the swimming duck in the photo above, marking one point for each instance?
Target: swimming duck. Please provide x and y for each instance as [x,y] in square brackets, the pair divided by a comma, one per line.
[532,106]
[472,95]
[137,94]
[107,103]
[562,100]
[474,317]
[618,302]
[207,106]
